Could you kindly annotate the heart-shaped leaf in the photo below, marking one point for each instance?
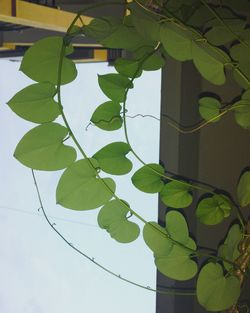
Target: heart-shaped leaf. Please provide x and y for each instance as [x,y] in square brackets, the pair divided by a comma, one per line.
[213,210]
[229,250]
[112,158]
[107,116]
[124,231]
[176,194]
[209,109]
[35,103]
[114,86]
[80,189]
[210,61]
[239,53]
[42,148]
[242,112]
[243,189]
[129,68]
[216,292]
[177,227]
[148,178]
[41,61]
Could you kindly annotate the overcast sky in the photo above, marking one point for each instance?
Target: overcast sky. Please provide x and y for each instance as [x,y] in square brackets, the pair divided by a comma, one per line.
[39,273]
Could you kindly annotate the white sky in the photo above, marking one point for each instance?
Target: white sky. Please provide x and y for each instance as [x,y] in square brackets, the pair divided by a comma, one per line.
[39,273]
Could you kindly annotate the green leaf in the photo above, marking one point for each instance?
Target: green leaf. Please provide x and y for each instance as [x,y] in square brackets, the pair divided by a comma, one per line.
[112,158]
[153,63]
[242,113]
[243,189]
[112,217]
[148,178]
[114,86]
[35,103]
[220,34]
[176,41]
[42,148]
[80,189]
[209,108]
[156,238]
[210,61]
[214,291]
[239,53]
[213,210]
[176,195]
[229,250]
[107,116]
[177,264]
[176,226]
[242,77]
[129,68]
[41,61]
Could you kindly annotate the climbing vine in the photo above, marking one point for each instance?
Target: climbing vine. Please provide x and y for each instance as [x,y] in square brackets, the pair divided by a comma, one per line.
[216,39]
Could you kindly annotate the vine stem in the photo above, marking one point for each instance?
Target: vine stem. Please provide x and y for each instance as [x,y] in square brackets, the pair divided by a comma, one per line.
[171,291]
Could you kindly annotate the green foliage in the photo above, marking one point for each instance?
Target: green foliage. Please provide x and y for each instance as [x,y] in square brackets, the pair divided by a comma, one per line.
[113,218]
[215,291]
[42,148]
[213,210]
[230,249]
[107,116]
[242,110]
[176,194]
[148,178]
[129,68]
[112,158]
[79,188]
[41,61]
[114,86]
[243,189]
[35,103]
[209,109]
[153,63]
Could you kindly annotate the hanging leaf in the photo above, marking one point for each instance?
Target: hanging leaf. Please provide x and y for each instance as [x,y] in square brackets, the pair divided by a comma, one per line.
[42,148]
[156,238]
[35,103]
[129,68]
[242,113]
[176,41]
[241,74]
[177,264]
[80,189]
[213,210]
[240,53]
[220,34]
[210,61]
[216,292]
[41,61]
[177,227]
[153,63]
[148,178]
[107,116]
[112,158]
[209,108]
[243,189]
[176,194]
[112,217]
[114,86]
[229,250]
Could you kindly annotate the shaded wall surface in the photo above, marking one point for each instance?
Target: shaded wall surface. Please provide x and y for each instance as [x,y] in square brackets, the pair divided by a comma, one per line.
[216,155]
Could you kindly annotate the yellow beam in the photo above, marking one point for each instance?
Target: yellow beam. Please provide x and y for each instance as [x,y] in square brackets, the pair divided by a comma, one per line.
[38,16]
[100,54]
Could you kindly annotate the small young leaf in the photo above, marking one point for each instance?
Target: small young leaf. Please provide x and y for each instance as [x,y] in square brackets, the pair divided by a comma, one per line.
[129,68]
[176,195]
[243,189]
[107,116]
[114,86]
[112,158]
[35,103]
[41,61]
[209,108]
[80,189]
[242,113]
[210,61]
[229,250]
[42,148]
[213,210]
[148,178]
[214,291]
[177,264]
[176,226]
[176,41]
